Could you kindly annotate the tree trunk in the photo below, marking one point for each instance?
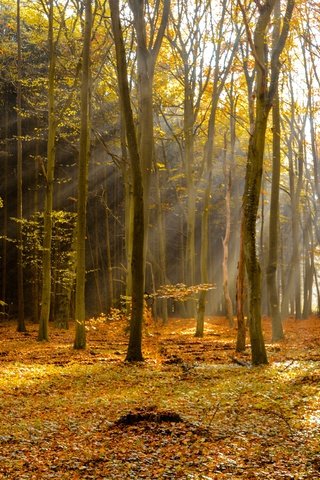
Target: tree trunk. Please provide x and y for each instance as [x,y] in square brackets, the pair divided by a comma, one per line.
[241,324]
[277,330]
[204,259]
[4,259]
[225,242]
[43,334]
[161,247]
[84,154]
[147,53]
[264,98]
[250,208]
[21,327]
[134,352]
[219,79]
[110,295]
[308,268]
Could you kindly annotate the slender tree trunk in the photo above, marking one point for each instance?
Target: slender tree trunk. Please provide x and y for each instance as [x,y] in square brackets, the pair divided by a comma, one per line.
[293,288]
[264,98]
[84,154]
[21,327]
[35,268]
[110,295]
[204,259]
[128,192]
[277,330]
[161,247]
[225,242]
[241,324]
[219,79]
[241,277]
[191,200]
[5,212]
[129,217]
[134,352]
[308,268]
[43,334]
[147,53]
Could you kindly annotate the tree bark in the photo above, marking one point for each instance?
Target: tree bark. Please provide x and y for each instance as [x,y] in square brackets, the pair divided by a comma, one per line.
[225,242]
[147,53]
[21,327]
[43,334]
[134,352]
[84,154]
[241,324]
[277,330]
[254,169]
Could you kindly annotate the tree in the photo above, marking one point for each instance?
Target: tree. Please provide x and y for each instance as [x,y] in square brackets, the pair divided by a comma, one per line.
[220,74]
[193,74]
[148,47]
[21,322]
[43,334]
[226,239]
[277,330]
[266,85]
[84,154]
[134,352]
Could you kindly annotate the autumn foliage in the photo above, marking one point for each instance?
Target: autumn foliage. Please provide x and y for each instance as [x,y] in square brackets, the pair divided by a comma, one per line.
[190,411]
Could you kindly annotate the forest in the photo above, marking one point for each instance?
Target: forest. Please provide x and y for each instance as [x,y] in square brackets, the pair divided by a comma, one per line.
[159,204]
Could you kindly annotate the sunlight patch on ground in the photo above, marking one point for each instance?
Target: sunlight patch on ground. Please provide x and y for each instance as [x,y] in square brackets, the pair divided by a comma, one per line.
[314,419]
[191,331]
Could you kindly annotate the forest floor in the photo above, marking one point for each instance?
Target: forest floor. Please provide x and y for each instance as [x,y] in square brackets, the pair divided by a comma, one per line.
[188,412]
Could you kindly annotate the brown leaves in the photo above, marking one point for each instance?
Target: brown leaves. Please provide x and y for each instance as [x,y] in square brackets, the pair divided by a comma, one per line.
[187,413]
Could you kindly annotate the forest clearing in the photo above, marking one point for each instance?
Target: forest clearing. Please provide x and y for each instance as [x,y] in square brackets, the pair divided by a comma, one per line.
[188,412]
[164,156]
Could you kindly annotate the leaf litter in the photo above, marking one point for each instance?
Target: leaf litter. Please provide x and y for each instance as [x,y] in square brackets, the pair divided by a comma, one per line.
[188,412]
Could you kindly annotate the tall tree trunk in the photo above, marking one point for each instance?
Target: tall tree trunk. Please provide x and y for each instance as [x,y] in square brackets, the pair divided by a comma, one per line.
[277,330]
[264,98]
[161,247]
[250,208]
[21,327]
[110,296]
[43,334]
[128,201]
[308,266]
[204,258]
[5,212]
[84,154]
[219,79]
[191,190]
[134,352]
[241,324]
[225,241]
[147,53]
[241,277]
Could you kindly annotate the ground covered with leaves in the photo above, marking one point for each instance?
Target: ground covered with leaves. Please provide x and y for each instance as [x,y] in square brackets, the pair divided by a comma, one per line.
[190,411]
